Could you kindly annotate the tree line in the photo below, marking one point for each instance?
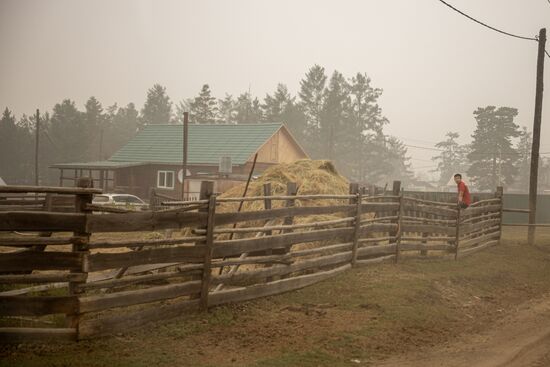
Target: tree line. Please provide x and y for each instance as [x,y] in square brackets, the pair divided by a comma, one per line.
[499,153]
[334,118]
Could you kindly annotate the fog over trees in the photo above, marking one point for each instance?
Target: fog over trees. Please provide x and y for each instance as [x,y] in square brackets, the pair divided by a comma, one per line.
[334,117]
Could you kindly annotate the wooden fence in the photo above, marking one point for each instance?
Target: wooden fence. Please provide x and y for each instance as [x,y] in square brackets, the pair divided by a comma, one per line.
[94,284]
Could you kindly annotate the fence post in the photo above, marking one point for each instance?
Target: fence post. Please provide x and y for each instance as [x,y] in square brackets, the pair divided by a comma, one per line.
[396,191]
[354,190]
[457,235]
[207,193]
[152,199]
[399,225]
[291,190]
[80,243]
[500,194]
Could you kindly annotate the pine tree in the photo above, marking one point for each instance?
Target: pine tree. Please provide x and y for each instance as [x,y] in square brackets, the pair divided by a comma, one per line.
[96,128]
[226,108]
[182,106]
[9,148]
[246,110]
[492,154]
[523,163]
[204,108]
[334,120]
[68,132]
[274,106]
[452,158]
[312,96]
[158,107]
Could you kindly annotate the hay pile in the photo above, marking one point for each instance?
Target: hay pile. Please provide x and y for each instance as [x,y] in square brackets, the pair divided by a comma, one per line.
[311,177]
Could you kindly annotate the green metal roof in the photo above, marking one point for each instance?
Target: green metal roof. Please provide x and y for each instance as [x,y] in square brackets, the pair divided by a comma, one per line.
[207,143]
[95,165]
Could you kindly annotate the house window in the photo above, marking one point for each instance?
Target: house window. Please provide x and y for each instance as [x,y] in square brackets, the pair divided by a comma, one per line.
[165,179]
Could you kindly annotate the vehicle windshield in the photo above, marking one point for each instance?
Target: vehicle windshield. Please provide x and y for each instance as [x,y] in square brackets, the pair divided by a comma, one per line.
[127,199]
[101,199]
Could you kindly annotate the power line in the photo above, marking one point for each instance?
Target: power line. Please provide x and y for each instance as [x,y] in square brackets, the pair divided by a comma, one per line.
[486,25]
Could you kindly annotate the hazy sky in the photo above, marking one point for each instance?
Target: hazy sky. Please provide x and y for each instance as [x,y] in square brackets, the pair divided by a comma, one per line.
[434,65]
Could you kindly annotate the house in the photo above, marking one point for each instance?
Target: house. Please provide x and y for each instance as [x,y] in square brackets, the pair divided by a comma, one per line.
[153,158]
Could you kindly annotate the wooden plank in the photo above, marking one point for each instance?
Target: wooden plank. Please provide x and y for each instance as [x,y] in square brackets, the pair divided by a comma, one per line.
[228,218]
[379,207]
[144,221]
[429,228]
[473,250]
[265,259]
[378,227]
[478,240]
[378,260]
[30,201]
[139,296]
[428,238]
[484,202]
[287,197]
[480,232]
[41,221]
[379,219]
[281,227]
[34,241]
[122,323]
[45,189]
[429,220]
[511,210]
[41,278]
[323,249]
[141,243]
[408,246]
[481,217]
[138,279]
[436,203]
[469,212]
[97,262]
[108,209]
[377,239]
[272,288]
[22,335]
[36,306]
[21,208]
[38,260]
[473,227]
[450,213]
[252,276]
[236,247]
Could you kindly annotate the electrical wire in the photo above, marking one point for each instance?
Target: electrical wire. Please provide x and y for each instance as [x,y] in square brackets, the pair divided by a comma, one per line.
[488,26]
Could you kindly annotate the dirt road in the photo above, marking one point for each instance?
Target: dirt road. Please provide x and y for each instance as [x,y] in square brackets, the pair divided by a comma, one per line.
[519,339]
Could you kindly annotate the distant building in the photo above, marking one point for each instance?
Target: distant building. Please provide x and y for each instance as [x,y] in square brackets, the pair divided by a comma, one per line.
[153,158]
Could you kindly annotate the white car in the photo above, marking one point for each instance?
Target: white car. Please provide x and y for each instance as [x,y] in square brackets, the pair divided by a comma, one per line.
[120,200]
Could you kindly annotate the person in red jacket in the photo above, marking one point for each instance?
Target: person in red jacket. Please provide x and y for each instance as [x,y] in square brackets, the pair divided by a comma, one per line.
[464,199]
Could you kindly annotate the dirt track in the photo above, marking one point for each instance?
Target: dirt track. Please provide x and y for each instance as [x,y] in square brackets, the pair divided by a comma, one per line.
[521,339]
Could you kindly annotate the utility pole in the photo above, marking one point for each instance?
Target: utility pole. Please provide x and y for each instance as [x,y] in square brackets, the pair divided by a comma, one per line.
[36,146]
[184,168]
[101,144]
[535,146]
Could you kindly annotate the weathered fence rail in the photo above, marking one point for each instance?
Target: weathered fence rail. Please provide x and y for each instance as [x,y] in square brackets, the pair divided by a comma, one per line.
[108,285]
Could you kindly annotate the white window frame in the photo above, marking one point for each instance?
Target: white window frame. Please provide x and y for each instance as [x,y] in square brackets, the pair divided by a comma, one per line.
[165,173]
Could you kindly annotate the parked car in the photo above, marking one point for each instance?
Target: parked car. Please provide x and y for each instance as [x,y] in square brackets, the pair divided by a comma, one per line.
[120,200]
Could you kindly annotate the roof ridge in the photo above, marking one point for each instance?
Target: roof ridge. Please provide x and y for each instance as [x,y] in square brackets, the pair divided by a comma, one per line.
[221,124]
